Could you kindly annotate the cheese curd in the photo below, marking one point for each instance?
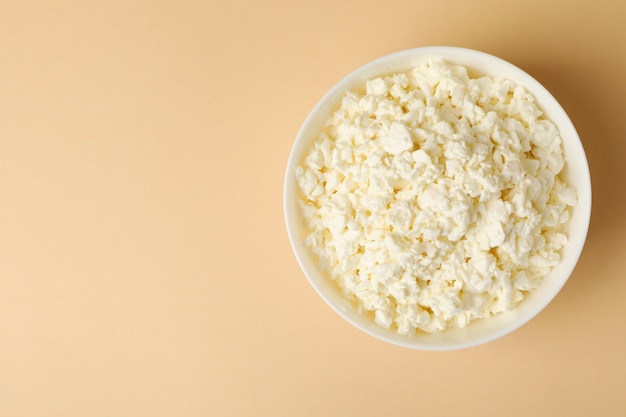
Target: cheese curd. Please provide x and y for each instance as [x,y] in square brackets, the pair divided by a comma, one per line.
[434,199]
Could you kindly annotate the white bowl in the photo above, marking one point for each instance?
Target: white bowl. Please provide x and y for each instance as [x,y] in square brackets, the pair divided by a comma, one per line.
[576,174]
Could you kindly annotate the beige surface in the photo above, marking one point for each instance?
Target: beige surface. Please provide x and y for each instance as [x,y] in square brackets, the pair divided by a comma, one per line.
[144,264]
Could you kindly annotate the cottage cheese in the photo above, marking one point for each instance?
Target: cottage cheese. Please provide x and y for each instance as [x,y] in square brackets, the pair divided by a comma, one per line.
[434,199]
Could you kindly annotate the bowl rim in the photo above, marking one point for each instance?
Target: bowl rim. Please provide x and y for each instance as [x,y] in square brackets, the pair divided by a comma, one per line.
[381,66]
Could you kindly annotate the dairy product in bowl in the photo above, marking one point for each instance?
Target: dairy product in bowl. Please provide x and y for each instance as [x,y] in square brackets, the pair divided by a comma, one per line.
[433,198]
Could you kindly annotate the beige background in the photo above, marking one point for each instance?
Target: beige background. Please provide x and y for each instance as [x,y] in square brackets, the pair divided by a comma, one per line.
[144,263]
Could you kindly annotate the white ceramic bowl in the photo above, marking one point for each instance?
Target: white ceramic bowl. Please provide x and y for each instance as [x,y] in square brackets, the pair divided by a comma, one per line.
[576,174]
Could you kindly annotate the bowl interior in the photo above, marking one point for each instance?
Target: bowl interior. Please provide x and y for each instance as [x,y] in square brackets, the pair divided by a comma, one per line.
[576,174]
